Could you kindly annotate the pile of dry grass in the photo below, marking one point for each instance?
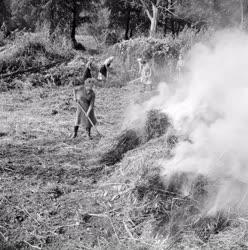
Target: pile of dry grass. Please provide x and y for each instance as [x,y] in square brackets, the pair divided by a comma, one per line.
[128,140]
[169,212]
[32,50]
[156,207]
[156,125]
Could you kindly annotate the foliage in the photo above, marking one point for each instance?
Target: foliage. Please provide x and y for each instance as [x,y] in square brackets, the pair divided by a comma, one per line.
[61,15]
[99,24]
[126,15]
[164,51]
[31,51]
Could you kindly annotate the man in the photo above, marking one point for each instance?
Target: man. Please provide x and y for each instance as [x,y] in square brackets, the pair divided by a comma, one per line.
[103,71]
[84,95]
[146,74]
[4,29]
[180,65]
[87,72]
[140,63]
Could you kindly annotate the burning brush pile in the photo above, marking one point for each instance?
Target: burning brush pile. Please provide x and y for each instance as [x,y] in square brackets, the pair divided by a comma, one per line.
[157,124]
[163,207]
[195,197]
[157,206]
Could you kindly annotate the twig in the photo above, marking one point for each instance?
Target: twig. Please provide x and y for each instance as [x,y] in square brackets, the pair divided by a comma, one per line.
[107,217]
[4,238]
[35,247]
[26,211]
[127,229]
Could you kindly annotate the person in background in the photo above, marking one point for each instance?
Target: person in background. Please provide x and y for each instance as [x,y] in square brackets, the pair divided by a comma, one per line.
[4,29]
[146,74]
[140,63]
[180,65]
[103,71]
[85,96]
[87,72]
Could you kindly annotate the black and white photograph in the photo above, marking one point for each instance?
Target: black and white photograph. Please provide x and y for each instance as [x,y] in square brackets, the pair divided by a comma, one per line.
[123,124]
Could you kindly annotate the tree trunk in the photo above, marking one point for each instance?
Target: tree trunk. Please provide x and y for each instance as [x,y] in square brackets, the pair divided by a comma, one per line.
[216,5]
[153,17]
[128,15]
[172,26]
[74,24]
[154,21]
[131,33]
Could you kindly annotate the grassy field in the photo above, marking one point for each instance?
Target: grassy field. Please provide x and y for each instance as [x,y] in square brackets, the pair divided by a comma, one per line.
[59,193]
[55,194]
[48,180]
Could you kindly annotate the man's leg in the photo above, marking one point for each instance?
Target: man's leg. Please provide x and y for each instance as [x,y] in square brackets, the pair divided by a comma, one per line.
[89,132]
[77,122]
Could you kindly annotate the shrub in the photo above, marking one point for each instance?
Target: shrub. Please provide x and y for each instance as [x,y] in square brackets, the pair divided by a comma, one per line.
[111,38]
[164,51]
[32,50]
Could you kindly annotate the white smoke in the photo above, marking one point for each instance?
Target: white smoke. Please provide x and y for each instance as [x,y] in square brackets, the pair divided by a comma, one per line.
[210,105]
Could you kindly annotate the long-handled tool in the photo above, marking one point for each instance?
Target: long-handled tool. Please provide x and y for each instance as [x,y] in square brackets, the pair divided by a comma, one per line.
[93,125]
[135,80]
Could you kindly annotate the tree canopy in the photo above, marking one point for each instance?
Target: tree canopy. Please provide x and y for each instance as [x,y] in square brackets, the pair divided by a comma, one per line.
[128,17]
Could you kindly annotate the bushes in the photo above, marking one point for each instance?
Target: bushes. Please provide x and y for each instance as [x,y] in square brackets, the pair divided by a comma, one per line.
[164,51]
[32,50]
[171,211]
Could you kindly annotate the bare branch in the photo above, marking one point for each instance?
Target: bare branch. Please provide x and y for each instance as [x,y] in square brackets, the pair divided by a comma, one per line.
[146,9]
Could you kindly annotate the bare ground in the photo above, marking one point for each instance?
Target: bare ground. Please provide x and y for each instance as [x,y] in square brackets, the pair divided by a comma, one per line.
[48,182]
[55,195]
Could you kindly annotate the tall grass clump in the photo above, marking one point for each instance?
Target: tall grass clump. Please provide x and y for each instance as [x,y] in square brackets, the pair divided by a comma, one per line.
[32,50]
[156,125]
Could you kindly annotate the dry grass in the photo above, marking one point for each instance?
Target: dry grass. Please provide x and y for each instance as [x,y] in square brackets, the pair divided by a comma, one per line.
[156,125]
[54,194]
[46,181]
[52,197]
[128,140]
[31,50]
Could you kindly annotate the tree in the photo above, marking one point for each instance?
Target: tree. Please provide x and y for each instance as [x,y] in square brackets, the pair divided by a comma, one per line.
[99,24]
[4,12]
[125,14]
[63,14]
[151,8]
[67,14]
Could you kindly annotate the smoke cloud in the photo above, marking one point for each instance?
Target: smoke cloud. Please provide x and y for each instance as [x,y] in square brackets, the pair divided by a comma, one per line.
[210,105]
